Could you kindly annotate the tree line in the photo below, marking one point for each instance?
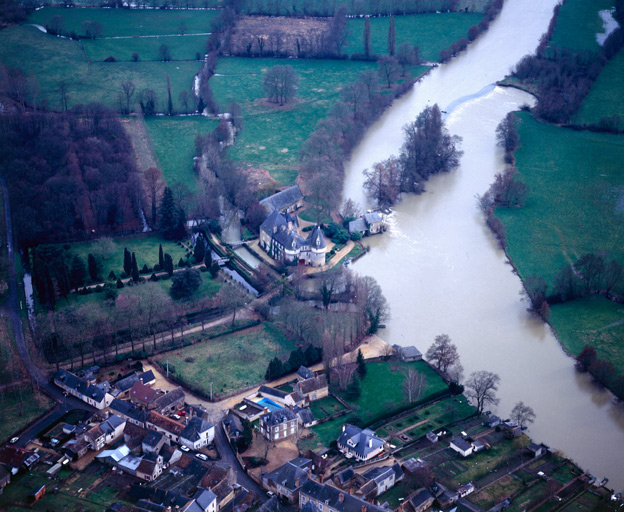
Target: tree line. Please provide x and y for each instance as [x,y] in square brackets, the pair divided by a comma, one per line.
[427,149]
[602,370]
[297,358]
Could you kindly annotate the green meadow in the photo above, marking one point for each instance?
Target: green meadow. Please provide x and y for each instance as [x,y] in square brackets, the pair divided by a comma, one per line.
[576,198]
[173,140]
[430,32]
[605,98]
[128,22]
[578,23]
[187,47]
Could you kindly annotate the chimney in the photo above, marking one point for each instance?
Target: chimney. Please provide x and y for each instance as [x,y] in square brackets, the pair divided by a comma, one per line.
[321,477]
[341,497]
[364,508]
[370,443]
[351,491]
[297,482]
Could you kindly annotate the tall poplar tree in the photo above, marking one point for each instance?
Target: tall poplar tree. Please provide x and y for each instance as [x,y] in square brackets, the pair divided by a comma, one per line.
[391,37]
[367,36]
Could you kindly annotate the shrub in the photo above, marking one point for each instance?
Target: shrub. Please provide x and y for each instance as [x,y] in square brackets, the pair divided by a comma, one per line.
[110,59]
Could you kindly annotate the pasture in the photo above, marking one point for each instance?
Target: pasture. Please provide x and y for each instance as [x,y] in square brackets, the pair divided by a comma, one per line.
[578,23]
[575,204]
[430,32]
[173,140]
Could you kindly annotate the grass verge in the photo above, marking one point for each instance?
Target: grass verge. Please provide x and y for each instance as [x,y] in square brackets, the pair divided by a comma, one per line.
[578,23]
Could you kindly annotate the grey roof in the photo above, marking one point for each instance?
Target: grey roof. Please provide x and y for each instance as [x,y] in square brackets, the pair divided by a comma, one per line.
[305,415]
[127,409]
[195,427]
[153,438]
[332,497]
[290,474]
[420,497]
[305,373]
[272,505]
[461,443]
[167,399]
[361,442]
[80,385]
[357,225]
[345,475]
[115,421]
[313,384]
[233,424]
[274,220]
[266,390]
[372,217]
[410,351]
[316,238]
[379,474]
[204,497]
[283,199]
[279,416]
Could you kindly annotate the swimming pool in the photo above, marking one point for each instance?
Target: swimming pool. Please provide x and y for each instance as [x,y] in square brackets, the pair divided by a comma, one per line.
[269,404]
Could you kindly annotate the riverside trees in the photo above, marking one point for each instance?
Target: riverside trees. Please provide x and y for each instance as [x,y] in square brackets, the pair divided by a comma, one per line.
[428,149]
[280,84]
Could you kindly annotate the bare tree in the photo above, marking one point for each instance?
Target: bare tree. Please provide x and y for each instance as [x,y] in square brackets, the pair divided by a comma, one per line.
[152,177]
[350,209]
[280,84]
[481,387]
[374,305]
[383,181]
[388,69]
[232,297]
[443,353]
[414,384]
[128,88]
[522,414]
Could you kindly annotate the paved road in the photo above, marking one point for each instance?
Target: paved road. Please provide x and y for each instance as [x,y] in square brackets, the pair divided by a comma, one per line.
[12,311]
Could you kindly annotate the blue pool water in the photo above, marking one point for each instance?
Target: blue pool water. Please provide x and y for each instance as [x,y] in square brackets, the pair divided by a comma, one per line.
[269,404]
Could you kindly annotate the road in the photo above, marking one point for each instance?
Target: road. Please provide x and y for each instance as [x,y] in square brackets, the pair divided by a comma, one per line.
[11,310]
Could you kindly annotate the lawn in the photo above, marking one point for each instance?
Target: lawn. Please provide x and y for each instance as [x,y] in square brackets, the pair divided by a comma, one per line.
[503,488]
[231,362]
[430,32]
[529,497]
[576,199]
[593,321]
[578,23]
[325,407]
[605,98]
[54,61]
[272,135]
[400,490]
[129,22]
[173,140]
[16,413]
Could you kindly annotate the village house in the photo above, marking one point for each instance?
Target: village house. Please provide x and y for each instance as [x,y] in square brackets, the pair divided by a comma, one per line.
[121,387]
[314,388]
[170,402]
[418,501]
[105,433]
[128,412]
[358,443]
[204,500]
[167,426]
[153,441]
[279,424]
[95,395]
[329,499]
[411,353]
[143,397]
[304,373]
[465,490]
[286,480]
[287,200]
[280,239]
[15,458]
[379,480]
[150,467]
[197,433]
[371,223]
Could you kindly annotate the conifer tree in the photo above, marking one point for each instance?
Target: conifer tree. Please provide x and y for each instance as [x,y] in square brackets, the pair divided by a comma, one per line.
[93,267]
[127,263]
[367,36]
[161,260]
[168,264]
[135,269]
[391,37]
[200,250]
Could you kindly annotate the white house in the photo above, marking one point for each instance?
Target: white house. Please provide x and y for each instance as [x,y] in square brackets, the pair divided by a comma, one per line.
[197,434]
[461,446]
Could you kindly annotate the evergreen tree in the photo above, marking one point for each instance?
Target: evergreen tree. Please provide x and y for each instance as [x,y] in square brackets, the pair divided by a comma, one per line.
[367,36]
[94,269]
[135,269]
[353,390]
[110,292]
[127,263]
[361,369]
[208,258]
[296,359]
[168,214]
[161,259]
[391,37]
[78,272]
[119,284]
[112,276]
[168,264]
[275,369]
[200,250]
[214,269]
[312,354]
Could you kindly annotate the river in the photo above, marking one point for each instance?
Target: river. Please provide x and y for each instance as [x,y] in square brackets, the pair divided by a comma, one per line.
[442,271]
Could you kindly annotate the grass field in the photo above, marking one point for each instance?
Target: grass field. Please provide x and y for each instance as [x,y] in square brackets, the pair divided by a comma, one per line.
[578,23]
[54,61]
[188,47]
[271,135]
[503,488]
[129,22]
[15,414]
[173,140]
[430,32]
[576,198]
[605,98]
[231,362]
[593,321]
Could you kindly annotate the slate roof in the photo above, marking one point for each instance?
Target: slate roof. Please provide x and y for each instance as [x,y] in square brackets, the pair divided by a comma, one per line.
[278,417]
[305,373]
[361,442]
[273,505]
[125,383]
[291,473]
[410,352]
[379,474]
[194,428]
[372,217]
[153,438]
[266,390]
[283,199]
[357,225]
[169,398]
[233,424]
[80,385]
[127,409]
[204,497]
[331,497]
[313,384]
[305,415]
[461,443]
[273,220]
[345,475]
[316,238]
[420,498]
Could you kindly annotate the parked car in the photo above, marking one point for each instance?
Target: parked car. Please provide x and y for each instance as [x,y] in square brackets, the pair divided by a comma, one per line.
[14,440]
[185,448]
[201,456]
